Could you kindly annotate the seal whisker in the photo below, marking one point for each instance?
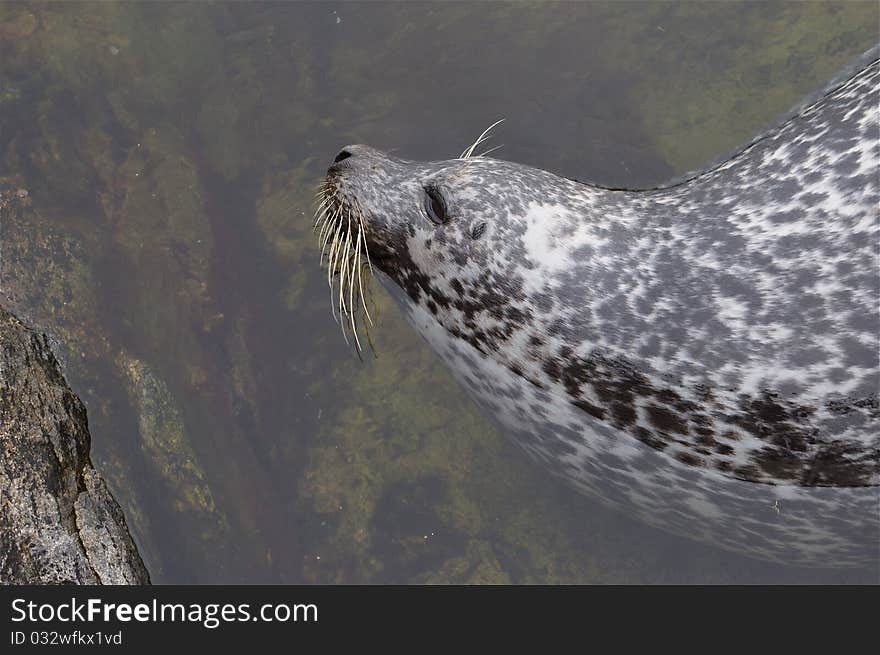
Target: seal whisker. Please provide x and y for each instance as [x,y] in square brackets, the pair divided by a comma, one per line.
[321,212]
[326,230]
[486,152]
[333,257]
[323,237]
[360,273]
[340,270]
[351,289]
[468,152]
[336,243]
[331,264]
[331,217]
[343,265]
[318,228]
[362,233]
[331,238]
[362,237]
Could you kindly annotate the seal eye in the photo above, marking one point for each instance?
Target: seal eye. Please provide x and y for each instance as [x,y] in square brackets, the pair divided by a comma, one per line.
[435,206]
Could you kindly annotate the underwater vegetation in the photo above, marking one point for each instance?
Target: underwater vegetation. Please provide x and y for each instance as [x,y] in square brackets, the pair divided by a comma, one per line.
[158,163]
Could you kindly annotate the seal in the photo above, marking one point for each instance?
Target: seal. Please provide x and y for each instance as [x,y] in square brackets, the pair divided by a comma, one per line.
[702,355]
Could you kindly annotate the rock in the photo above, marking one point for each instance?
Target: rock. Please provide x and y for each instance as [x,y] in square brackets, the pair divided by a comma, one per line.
[58,521]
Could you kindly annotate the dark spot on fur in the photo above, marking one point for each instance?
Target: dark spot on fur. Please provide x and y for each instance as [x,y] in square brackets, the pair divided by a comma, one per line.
[747,472]
[689,459]
[590,408]
[624,415]
[723,449]
[665,420]
[647,437]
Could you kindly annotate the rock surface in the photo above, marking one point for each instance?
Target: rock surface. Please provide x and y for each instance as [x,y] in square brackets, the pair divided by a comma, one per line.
[58,521]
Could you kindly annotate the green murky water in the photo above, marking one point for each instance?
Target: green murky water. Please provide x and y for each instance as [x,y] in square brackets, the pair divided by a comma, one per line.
[169,153]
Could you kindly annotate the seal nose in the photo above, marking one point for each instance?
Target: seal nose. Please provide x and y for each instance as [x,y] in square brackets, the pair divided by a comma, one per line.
[346,157]
[354,156]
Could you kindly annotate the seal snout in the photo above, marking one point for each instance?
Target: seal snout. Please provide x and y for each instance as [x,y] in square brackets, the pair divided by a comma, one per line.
[353,156]
[341,160]
[371,186]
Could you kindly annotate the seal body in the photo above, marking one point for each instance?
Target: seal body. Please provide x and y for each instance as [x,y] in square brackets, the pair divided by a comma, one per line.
[702,355]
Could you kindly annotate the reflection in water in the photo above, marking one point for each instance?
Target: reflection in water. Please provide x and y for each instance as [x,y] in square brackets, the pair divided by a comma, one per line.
[171,152]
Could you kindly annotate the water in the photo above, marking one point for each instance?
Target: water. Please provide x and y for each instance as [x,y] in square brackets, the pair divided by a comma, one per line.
[170,152]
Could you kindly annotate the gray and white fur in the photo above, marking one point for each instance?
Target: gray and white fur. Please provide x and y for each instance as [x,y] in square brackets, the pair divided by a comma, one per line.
[702,355]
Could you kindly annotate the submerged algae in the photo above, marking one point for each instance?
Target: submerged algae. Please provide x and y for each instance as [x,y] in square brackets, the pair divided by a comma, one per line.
[164,442]
[114,257]
[722,86]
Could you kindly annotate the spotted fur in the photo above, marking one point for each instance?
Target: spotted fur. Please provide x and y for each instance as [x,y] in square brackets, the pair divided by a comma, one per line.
[704,355]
